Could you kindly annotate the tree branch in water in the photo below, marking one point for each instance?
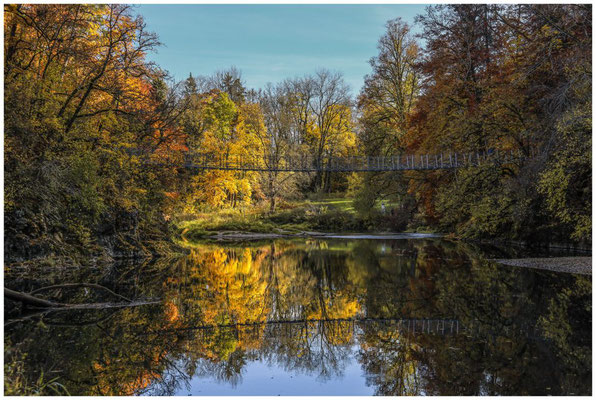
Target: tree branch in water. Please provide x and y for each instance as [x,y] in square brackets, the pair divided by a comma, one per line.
[33,301]
[73,285]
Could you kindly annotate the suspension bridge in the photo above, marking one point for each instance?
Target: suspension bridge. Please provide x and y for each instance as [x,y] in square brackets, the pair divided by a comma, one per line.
[197,162]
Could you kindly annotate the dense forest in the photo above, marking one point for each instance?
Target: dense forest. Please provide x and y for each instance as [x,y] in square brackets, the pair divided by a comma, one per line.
[95,133]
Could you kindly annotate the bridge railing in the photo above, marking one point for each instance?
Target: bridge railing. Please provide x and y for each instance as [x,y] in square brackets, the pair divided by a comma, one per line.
[308,163]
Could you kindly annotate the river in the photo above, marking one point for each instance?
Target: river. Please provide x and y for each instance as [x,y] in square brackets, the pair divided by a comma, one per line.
[411,316]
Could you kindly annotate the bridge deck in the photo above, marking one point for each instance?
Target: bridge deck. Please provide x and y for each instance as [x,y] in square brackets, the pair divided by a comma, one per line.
[307,163]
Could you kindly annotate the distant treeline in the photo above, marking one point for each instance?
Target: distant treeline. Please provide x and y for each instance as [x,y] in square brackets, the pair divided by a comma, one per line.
[79,89]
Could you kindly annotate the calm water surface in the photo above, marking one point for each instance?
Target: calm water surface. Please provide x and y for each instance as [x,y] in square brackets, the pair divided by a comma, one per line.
[337,317]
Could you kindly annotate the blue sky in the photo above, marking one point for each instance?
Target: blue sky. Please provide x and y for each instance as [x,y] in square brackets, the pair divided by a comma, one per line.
[269,43]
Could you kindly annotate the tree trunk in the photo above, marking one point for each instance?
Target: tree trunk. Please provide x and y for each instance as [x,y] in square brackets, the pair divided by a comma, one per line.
[30,300]
[272,204]
[41,303]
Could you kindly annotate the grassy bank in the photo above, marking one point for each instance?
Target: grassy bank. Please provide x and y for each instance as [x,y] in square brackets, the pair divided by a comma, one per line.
[326,214]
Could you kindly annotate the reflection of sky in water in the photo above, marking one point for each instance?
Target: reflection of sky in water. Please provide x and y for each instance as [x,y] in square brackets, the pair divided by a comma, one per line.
[260,378]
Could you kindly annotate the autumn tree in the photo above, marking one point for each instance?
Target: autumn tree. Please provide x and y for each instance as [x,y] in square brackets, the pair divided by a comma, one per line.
[79,93]
[322,118]
[278,143]
[219,131]
[386,103]
[229,81]
[497,79]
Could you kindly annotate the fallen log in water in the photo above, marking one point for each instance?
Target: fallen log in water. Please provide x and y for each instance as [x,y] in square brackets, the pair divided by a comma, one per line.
[34,301]
[30,300]
[102,306]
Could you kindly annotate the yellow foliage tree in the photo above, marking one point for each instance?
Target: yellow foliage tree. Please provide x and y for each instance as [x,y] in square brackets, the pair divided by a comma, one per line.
[230,136]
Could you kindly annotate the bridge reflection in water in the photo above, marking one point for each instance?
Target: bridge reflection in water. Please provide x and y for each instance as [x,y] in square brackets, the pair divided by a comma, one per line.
[346,327]
[343,325]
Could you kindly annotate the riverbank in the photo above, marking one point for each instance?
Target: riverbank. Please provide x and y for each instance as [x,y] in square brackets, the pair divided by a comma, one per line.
[242,236]
[302,218]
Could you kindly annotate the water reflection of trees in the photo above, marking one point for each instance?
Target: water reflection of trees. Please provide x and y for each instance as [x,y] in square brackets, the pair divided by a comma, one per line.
[217,302]
[503,352]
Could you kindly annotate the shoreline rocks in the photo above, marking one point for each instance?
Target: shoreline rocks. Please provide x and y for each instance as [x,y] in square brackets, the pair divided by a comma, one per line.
[573,265]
